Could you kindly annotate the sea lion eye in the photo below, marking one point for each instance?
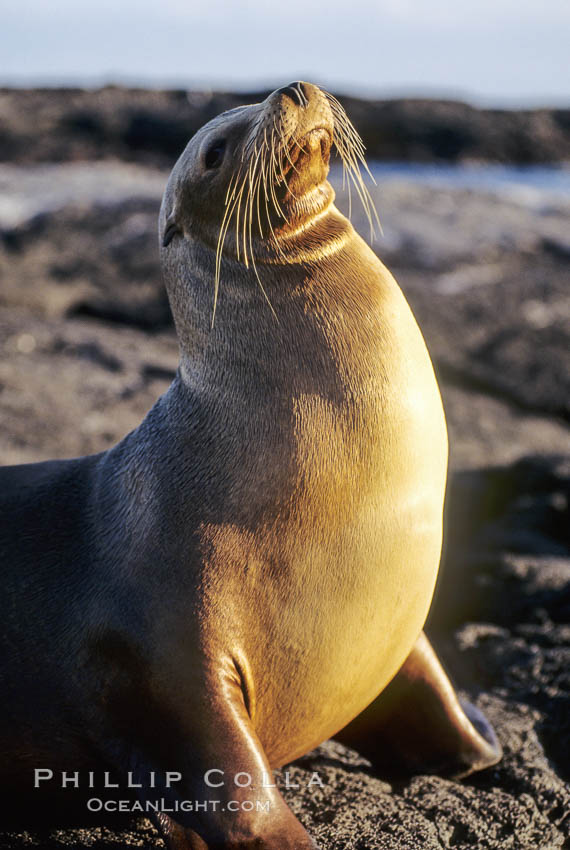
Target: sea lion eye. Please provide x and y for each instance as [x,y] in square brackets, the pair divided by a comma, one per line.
[215,153]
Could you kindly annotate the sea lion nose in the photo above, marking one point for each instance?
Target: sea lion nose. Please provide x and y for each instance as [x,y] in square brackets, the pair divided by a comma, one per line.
[296,91]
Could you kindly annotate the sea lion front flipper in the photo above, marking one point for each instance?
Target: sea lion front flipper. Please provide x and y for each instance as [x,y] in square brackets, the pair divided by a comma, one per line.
[227,778]
[418,724]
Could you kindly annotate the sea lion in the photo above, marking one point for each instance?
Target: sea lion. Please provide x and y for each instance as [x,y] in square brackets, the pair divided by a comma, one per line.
[242,575]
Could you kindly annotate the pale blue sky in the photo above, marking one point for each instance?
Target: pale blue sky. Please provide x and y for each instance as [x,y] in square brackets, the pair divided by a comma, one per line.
[489,51]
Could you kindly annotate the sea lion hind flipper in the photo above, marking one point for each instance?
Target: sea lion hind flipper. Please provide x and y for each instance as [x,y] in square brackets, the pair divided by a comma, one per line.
[419,725]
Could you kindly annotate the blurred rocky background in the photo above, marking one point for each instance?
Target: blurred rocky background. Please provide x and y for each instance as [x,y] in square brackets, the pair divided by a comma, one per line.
[476,230]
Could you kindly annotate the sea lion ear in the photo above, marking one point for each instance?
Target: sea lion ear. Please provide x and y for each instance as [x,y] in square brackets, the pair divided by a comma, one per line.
[170,230]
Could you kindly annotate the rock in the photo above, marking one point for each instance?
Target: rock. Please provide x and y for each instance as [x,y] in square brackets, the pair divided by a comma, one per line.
[486,429]
[98,258]
[507,534]
[79,388]
[153,126]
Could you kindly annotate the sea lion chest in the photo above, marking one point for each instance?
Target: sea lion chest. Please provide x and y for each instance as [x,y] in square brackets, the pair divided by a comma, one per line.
[323,570]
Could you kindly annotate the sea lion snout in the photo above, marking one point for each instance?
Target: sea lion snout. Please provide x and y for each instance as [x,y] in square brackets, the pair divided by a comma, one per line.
[296,92]
[301,115]
[296,110]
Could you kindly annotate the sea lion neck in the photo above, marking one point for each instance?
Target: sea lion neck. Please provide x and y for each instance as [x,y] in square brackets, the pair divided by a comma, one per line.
[251,298]
[311,222]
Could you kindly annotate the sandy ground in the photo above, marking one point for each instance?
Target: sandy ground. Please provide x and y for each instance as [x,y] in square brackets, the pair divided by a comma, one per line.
[87,346]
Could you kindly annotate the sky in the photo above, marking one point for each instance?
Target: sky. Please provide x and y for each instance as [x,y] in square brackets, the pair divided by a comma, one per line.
[492,52]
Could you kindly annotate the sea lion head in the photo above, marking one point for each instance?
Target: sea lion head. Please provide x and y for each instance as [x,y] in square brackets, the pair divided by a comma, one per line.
[252,183]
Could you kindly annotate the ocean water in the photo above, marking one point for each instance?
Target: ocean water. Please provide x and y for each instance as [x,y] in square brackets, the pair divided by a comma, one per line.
[31,189]
[551,180]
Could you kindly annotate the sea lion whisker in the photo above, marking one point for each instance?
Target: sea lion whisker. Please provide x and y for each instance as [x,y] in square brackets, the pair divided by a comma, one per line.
[275,145]
[273,178]
[266,296]
[343,120]
[233,180]
[250,199]
[219,251]
[273,160]
[279,132]
[245,213]
[253,263]
[360,152]
[282,175]
[365,199]
[268,180]
[248,211]
[270,187]
[350,156]
[274,239]
[279,158]
[229,204]
[272,173]
[346,186]
[245,154]
[223,227]
[226,219]
[257,186]
[254,180]
[257,196]
[356,178]
[345,176]
[264,165]
[352,137]
[239,199]
[288,148]
[293,166]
